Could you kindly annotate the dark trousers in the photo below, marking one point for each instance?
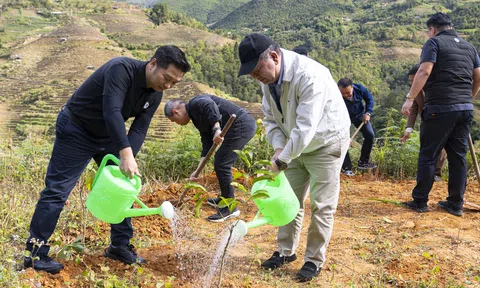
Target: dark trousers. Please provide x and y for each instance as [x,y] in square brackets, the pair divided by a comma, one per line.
[235,139]
[447,130]
[368,136]
[72,151]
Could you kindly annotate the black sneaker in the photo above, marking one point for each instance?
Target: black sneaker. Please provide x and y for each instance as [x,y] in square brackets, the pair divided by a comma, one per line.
[44,263]
[223,214]
[276,261]
[307,272]
[214,201]
[450,207]
[420,207]
[124,253]
[365,166]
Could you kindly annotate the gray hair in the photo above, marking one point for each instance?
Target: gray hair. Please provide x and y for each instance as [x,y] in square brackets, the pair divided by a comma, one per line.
[266,54]
[170,105]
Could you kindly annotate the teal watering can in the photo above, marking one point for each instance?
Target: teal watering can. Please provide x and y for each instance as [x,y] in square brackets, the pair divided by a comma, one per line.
[113,195]
[278,210]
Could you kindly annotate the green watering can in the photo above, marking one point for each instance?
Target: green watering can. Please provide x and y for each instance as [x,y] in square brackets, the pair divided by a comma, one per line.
[113,195]
[278,210]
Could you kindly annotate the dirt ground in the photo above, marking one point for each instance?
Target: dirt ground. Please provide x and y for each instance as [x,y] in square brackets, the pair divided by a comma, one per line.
[374,244]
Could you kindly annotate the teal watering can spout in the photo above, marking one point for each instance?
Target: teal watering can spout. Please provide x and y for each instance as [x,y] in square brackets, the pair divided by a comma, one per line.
[279,209]
[113,195]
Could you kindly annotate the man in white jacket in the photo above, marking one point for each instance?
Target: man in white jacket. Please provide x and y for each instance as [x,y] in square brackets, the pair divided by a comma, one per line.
[307,124]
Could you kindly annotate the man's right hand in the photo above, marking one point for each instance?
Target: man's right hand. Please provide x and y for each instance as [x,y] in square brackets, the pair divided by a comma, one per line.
[405,137]
[277,152]
[128,165]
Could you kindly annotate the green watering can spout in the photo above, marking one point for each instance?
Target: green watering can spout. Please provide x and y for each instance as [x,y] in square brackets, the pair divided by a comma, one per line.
[279,209]
[166,210]
[113,195]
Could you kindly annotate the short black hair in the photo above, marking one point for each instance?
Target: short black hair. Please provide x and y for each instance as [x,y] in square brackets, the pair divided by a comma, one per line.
[413,70]
[170,54]
[345,82]
[439,20]
[302,50]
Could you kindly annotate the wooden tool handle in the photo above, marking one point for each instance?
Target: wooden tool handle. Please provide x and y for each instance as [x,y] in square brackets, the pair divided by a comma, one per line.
[214,146]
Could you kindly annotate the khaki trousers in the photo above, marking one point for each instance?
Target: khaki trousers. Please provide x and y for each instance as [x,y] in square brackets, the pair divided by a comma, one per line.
[319,171]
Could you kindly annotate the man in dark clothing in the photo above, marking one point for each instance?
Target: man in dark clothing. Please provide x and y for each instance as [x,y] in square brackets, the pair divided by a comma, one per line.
[417,108]
[91,125]
[354,95]
[449,74]
[209,114]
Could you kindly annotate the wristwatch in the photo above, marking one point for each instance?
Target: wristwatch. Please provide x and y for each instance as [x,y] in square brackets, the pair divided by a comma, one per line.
[215,129]
[408,96]
[281,165]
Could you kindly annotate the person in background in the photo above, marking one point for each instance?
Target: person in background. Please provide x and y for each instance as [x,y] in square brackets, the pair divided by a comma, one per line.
[417,108]
[308,127]
[449,75]
[91,125]
[209,114]
[302,50]
[354,95]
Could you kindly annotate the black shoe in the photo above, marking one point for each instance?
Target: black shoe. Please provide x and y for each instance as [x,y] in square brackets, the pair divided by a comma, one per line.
[307,272]
[276,261]
[223,214]
[365,166]
[44,263]
[214,201]
[420,207]
[450,207]
[124,253]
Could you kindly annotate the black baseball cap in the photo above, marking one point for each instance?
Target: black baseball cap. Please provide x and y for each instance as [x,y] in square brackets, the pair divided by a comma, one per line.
[249,51]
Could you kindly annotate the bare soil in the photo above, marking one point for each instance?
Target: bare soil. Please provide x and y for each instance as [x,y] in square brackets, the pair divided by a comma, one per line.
[374,244]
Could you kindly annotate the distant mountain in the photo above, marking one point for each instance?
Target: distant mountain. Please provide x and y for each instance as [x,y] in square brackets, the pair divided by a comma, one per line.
[206,11]
[281,14]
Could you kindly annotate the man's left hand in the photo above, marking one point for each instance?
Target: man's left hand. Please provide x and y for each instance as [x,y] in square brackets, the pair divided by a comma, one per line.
[217,139]
[366,118]
[274,167]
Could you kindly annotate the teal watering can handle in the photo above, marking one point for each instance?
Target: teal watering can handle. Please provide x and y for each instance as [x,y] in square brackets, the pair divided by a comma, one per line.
[102,165]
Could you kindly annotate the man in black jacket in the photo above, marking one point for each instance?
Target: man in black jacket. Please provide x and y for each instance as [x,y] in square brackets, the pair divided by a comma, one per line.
[449,74]
[91,125]
[209,114]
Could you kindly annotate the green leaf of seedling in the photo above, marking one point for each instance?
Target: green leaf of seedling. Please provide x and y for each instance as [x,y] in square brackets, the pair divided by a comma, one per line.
[78,247]
[264,177]
[238,174]
[192,185]
[233,205]
[263,163]
[240,187]
[260,194]
[426,255]
[225,202]
[244,157]
[198,204]
[196,196]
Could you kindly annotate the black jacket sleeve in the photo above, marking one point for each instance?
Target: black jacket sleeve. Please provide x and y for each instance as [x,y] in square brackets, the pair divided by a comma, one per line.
[116,84]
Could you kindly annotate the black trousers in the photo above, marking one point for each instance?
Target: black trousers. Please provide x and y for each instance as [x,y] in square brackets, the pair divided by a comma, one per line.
[235,139]
[72,151]
[447,130]
[368,136]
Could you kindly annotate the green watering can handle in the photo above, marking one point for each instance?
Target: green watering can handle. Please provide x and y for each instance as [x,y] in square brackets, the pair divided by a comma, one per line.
[104,162]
